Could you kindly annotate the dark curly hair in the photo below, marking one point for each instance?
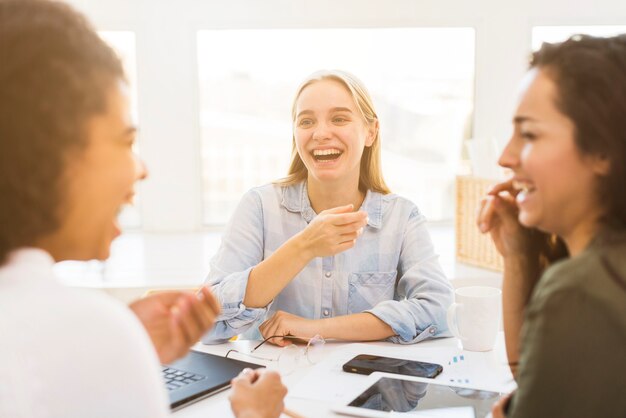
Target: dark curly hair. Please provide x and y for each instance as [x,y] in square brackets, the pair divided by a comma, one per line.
[55,73]
[590,77]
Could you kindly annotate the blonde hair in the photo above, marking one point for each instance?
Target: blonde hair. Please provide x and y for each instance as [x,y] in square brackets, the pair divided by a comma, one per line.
[370,173]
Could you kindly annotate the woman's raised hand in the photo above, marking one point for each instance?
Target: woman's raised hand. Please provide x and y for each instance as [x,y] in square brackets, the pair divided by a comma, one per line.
[333,231]
[498,215]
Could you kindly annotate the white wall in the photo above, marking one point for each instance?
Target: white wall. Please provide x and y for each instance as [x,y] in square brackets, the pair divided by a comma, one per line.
[166,61]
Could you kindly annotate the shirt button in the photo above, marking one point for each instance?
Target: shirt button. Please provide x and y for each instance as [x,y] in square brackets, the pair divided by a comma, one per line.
[328,274]
[326,312]
[432,330]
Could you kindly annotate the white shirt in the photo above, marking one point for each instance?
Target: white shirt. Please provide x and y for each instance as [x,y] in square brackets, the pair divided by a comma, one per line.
[71,353]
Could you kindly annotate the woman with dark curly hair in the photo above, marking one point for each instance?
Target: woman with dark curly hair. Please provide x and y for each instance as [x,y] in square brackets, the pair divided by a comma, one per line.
[66,168]
[560,224]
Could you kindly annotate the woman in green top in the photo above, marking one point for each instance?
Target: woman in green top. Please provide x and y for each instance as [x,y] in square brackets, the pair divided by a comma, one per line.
[560,225]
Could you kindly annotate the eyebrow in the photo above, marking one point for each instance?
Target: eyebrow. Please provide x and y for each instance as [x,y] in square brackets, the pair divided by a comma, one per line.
[334,109]
[521,119]
[131,130]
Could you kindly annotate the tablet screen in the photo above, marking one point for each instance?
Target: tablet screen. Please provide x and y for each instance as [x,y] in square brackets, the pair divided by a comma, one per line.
[400,395]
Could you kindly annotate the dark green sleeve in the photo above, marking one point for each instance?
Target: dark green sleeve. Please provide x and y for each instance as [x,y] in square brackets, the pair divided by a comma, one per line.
[572,362]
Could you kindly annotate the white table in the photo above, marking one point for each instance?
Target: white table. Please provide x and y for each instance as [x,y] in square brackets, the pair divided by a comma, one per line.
[488,370]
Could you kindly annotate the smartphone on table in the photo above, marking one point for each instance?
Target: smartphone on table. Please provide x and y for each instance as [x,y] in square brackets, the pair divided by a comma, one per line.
[367,364]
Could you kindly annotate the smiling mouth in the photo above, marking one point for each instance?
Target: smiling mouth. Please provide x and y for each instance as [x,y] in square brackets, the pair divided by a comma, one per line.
[523,187]
[327,154]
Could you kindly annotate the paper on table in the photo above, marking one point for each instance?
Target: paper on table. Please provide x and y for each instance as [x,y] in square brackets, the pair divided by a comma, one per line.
[457,412]
[328,382]
[482,370]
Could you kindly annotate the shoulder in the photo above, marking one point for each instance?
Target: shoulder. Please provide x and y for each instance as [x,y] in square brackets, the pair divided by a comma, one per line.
[266,193]
[595,268]
[95,319]
[256,199]
[64,336]
[397,206]
[595,279]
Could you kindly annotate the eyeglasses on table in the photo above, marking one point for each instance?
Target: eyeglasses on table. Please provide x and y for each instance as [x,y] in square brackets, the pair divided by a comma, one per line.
[290,356]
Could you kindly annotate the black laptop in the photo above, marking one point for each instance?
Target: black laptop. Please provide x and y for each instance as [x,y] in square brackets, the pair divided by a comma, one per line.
[198,375]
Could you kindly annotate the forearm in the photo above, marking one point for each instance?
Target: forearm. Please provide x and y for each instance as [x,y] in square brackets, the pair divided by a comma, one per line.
[358,327]
[270,276]
[520,277]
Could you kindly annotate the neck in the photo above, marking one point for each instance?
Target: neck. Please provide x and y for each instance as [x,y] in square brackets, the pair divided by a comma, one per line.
[579,237]
[50,245]
[331,195]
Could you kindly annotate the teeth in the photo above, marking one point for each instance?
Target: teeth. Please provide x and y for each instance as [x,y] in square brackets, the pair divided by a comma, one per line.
[326,152]
[522,186]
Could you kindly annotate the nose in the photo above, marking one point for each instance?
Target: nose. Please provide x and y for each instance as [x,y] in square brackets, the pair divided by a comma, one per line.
[322,131]
[510,157]
[141,171]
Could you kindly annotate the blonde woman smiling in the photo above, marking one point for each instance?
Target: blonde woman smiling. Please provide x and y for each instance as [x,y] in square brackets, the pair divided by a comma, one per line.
[329,250]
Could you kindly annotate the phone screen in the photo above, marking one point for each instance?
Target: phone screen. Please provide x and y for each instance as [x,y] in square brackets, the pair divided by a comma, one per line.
[367,364]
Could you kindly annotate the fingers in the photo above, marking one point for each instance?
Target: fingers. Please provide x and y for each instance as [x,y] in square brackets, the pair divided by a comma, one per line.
[203,314]
[506,186]
[348,237]
[494,209]
[260,397]
[497,411]
[247,375]
[167,298]
[196,314]
[185,321]
[271,378]
[205,295]
[275,326]
[340,209]
[267,330]
[359,218]
[350,228]
[486,213]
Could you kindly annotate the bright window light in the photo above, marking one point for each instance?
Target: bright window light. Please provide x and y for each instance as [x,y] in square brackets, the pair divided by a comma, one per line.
[123,43]
[421,80]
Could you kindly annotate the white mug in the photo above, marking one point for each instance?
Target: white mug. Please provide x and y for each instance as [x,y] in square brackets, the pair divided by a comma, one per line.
[475,317]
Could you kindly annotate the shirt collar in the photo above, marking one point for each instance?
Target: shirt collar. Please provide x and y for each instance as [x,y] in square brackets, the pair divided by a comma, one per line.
[23,263]
[296,199]
[32,256]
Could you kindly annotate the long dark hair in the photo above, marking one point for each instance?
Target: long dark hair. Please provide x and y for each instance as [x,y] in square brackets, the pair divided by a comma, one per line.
[590,77]
[54,75]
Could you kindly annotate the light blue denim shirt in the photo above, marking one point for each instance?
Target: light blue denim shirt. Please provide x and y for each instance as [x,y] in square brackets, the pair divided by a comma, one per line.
[391,272]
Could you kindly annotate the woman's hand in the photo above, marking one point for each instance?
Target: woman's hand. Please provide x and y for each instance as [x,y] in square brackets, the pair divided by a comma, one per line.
[498,410]
[333,231]
[498,215]
[257,394]
[284,323]
[176,320]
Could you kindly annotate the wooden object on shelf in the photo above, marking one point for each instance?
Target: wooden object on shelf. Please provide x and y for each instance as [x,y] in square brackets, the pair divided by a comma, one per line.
[472,246]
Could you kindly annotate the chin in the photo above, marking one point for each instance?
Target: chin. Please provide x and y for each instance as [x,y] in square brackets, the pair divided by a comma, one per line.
[527,219]
[103,251]
[103,254]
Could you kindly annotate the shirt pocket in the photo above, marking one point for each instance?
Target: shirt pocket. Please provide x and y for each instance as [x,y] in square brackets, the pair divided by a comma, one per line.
[367,289]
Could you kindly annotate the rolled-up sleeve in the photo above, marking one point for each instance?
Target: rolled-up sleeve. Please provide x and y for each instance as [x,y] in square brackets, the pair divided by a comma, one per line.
[240,251]
[423,293]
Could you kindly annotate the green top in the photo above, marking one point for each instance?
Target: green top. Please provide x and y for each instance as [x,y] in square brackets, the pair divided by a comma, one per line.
[573,349]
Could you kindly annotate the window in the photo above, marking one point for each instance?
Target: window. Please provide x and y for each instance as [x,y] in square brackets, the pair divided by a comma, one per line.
[421,80]
[553,34]
[123,42]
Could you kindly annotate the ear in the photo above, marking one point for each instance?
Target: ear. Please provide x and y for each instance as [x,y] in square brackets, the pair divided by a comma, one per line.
[372,131]
[600,164]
